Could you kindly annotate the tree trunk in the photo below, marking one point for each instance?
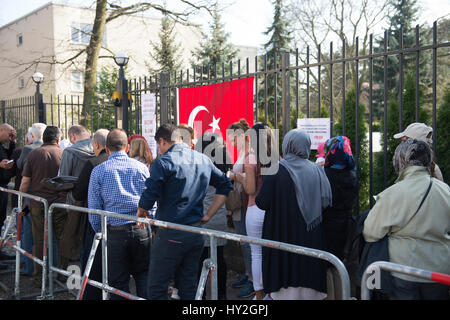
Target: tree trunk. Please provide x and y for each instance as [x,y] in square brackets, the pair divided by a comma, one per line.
[92,54]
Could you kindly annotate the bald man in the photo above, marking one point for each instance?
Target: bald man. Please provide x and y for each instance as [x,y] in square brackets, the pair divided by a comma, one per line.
[8,138]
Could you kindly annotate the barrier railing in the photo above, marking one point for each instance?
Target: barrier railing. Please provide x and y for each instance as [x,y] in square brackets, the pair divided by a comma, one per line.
[393,267]
[211,264]
[44,262]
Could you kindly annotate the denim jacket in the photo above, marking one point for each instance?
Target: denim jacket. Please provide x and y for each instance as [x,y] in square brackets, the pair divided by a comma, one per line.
[178,181]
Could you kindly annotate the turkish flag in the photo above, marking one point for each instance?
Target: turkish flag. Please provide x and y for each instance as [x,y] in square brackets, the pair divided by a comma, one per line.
[215,107]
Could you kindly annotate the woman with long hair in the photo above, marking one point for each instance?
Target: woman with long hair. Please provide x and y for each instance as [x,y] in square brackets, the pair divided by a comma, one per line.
[242,142]
[140,150]
[261,146]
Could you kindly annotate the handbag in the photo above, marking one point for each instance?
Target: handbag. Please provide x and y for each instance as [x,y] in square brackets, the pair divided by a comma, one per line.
[233,201]
[60,183]
[379,250]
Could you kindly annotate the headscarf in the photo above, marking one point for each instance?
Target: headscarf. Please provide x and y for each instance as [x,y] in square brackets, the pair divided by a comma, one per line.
[312,188]
[321,150]
[411,152]
[339,154]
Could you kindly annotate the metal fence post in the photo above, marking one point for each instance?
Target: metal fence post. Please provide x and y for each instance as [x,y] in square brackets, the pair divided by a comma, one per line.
[104,257]
[164,90]
[214,286]
[122,110]
[3,105]
[286,96]
[40,110]
[51,280]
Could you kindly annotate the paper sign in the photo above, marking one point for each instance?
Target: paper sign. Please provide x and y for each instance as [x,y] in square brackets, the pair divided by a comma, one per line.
[149,120]
[152,144]
[148,103]
[149,126]
[317,128]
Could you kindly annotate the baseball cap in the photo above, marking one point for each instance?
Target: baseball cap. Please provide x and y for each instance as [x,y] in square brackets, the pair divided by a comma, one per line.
[416,130]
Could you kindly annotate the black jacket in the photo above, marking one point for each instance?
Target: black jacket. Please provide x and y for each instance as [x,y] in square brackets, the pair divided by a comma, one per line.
[336,219]
[6,175]
[343,187]
[80,192]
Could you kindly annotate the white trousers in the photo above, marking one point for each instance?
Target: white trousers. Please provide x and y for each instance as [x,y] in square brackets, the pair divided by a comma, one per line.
[254,221]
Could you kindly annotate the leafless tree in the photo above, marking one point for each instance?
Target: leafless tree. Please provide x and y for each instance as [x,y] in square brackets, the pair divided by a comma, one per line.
[105,12]
[317,23]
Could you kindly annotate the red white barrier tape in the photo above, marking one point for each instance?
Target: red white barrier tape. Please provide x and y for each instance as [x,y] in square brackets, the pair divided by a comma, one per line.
[441,278]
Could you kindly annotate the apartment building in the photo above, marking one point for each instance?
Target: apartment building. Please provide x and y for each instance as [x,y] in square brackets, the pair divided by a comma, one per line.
[50,38]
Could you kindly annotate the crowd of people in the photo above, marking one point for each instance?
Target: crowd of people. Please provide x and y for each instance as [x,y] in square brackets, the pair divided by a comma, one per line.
[190,182]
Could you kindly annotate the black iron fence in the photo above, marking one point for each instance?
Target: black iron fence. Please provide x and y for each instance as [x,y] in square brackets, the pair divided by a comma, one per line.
[354,89]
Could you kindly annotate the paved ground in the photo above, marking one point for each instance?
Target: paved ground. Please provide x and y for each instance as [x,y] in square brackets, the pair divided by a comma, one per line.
[29,290]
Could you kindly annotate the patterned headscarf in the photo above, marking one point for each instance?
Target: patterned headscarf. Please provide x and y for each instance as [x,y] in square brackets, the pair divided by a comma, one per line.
[339,154]
[411,152]
[321,150]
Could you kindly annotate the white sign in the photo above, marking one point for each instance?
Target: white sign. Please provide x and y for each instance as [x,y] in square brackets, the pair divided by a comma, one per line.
[149,120]
[148,103]
[317,128]
[149,126]
[152,144]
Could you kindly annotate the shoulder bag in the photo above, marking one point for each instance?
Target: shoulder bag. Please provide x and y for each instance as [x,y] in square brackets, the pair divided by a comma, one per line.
[379,250]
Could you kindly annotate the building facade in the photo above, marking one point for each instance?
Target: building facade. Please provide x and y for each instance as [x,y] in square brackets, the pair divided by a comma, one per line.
[51,40]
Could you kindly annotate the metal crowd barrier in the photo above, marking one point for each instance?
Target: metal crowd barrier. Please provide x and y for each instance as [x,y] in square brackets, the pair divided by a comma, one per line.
[17,212]
[210,264]
[393,267]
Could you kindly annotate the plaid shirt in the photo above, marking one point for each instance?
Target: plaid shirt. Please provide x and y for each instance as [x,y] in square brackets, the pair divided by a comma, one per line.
[116,185]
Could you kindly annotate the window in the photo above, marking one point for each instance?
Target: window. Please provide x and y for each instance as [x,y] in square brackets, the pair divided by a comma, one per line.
[19,39]
[21,83]
[81,33]
[77,81]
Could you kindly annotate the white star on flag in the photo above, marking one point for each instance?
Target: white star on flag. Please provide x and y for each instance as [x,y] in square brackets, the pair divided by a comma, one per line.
[215,124]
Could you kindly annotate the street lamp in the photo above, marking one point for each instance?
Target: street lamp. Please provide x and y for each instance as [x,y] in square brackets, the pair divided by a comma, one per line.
[121,59]
[38,77]
[40,112]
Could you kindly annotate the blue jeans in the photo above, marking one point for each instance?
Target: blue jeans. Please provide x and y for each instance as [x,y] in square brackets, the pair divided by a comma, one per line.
[241,229]
[128,255]
[174,253]
[27,245]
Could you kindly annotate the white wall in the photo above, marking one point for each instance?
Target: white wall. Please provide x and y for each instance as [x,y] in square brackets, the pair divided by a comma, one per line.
[36,30]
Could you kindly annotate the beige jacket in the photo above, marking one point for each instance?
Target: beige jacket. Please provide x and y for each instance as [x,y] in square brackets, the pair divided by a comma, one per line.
[424,242]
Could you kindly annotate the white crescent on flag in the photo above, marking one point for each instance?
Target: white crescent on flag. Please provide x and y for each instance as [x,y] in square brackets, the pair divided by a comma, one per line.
[194,113]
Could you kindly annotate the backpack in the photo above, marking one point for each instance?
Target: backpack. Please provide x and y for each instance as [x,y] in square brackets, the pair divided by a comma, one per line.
[358,254]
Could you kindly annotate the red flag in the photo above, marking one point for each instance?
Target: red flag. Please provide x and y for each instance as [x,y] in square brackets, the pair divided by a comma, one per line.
[215,107]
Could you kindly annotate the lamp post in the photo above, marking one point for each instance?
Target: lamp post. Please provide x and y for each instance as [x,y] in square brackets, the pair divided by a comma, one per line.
[121,60]
[40,112]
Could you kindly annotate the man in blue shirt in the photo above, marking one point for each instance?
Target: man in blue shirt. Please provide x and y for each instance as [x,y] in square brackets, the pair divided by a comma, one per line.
[116,185]
[178,181]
